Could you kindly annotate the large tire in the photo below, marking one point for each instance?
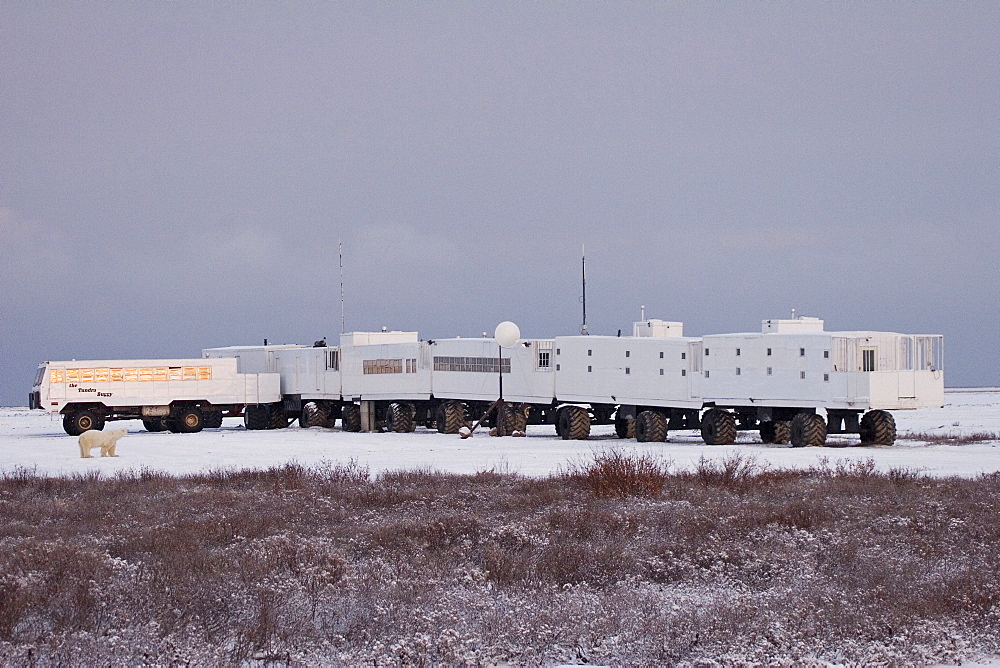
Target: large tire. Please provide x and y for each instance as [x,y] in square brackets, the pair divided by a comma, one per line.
[718,427]
[512,418]
[808,430]
[775,432]
[625,427]
[451,416]
[574,423]
[186,420]
[154,424]
[315,414]
[276,416]
[351,418]
[213,419]
[256,417]
[399,418]
[82,420]
[878,428]
[651,427]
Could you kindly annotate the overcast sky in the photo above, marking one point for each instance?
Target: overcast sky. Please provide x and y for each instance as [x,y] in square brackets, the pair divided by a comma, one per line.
[175,176]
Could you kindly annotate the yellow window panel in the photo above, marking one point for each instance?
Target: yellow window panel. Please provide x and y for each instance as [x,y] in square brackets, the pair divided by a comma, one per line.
[72,375]
[204,373]
[145,374]
[130,375]
[190,373]
[117,375]
[86,375]
[175,373]
[57,376]
[102,375]
[160,373]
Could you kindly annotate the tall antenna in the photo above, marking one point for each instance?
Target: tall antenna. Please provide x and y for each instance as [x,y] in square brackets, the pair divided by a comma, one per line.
[583,257]
[341,247]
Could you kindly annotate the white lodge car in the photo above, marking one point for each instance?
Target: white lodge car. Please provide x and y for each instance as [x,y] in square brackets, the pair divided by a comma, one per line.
[182,395]
[792,382]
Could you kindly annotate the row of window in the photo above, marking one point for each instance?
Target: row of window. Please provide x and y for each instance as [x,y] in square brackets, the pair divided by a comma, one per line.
[802,353]
[475,364]
[382,366]
[770,372]
[128,375]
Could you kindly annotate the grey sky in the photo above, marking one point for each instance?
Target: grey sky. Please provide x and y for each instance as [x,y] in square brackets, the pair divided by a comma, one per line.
[175,176]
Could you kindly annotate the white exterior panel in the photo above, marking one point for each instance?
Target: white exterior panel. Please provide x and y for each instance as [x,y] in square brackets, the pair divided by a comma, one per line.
[466,369]
[648,371]
[384,371]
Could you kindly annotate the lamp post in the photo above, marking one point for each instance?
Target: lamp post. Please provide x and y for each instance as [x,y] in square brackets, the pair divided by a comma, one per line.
[506,336]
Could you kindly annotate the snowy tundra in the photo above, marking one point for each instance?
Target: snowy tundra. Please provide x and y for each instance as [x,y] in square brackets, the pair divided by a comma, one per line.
[35,441]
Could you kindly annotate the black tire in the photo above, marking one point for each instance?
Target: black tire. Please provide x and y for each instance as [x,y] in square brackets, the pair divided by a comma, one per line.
[625,427]
[718,427]
[513,417]
[256,417]
[775,432]
[213,419]
[399,418]
[651,427]
[82,420]
[451,416]
[878,428]
[186,420]
[351,418]
[276,416]
[155,424]
[808,430]
[574,423]
[314,414]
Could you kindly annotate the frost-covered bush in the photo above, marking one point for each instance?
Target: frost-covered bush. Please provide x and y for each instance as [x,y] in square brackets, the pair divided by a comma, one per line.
[618,562]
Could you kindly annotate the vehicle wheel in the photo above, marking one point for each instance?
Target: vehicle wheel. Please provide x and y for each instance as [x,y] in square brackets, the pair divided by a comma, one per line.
[718,427]
[256,417]
[213,419]
[351,418]
[878,428]
[187,420]
[625,427]
[574,423]
[79,421]
[808,430]
[651,427]
[314,414]
[399,418]
[775,432]
[451,416]
[154,424]
[276,416]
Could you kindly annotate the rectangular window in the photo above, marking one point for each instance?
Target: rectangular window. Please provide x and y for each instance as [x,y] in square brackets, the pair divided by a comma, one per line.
[543,355]
[802,352]
[661,354]
[826,354]
[175,373]
[737,352]
[57,376]
[684,372]
[333,360]
[802,375]
[543,359]
[826,377]
[590,369]
[706,352]
[738,371]
[590,353]
[768,351]
[628,371]
[868,359]
[661,372]
[471,364]
[628,353]
[558,367]
[383,366]
[769,371]
[684,356]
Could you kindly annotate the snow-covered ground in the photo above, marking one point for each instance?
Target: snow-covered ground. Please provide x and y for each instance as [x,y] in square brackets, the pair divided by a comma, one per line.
[36,441]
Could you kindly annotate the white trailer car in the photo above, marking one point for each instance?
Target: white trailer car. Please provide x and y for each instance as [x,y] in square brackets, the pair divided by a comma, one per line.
[781,379]
[182,395]
[310,382]
[647,382]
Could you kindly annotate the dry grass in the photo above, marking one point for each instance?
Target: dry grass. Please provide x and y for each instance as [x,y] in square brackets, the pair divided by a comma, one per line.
[616,561]
[936,438]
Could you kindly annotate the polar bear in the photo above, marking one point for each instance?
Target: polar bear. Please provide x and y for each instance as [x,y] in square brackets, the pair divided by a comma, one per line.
[105,440]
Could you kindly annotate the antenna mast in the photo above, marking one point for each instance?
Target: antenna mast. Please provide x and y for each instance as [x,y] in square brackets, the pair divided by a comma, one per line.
[583,257]
[341,248]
